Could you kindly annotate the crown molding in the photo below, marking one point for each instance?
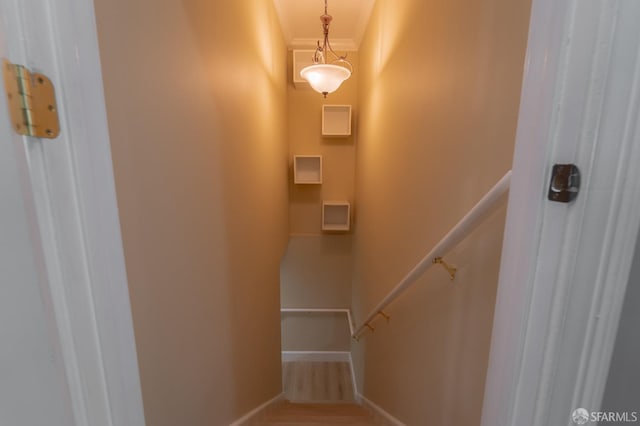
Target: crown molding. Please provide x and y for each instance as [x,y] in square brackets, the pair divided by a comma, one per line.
[348,45]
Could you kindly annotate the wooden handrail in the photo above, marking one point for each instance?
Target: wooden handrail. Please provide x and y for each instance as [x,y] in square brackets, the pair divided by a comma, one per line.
[463,228]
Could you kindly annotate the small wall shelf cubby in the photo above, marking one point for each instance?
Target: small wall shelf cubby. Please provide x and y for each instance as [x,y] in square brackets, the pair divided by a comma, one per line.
[336,120]
[301,59]
[307,169]
[336,216]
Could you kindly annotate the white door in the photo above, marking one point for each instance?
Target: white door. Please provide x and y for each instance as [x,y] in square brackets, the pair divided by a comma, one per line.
[565,267]
[67,349]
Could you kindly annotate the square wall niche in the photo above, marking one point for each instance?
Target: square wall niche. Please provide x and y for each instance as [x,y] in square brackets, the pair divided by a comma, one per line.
[307,169]
[336,120]
[301,59]
[336,216]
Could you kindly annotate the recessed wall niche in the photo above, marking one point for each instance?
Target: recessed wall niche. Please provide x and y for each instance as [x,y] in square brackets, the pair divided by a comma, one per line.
[307,169]
[336,216]
[336,120]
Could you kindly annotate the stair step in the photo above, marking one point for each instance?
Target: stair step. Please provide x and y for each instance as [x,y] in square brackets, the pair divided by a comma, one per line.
[299,417]
[324,409]
[315,414]
[309,423]
[310,381]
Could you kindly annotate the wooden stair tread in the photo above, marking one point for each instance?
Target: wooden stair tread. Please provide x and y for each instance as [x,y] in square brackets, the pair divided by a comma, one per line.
[311,423]
[315,414]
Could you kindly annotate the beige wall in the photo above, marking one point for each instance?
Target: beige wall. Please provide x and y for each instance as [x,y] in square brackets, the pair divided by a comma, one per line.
[439,91]
[196,100]
[316,272]
[315,332]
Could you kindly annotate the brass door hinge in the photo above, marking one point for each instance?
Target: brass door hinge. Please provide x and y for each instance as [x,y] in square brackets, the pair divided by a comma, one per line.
[32,102]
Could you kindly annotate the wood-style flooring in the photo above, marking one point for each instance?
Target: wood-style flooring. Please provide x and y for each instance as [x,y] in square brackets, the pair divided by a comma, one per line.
[305,381]
[315,414]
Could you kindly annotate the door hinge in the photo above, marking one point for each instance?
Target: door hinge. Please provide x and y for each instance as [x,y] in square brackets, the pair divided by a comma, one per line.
[31,100]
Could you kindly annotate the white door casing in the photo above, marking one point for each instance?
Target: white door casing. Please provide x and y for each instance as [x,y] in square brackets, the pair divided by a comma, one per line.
[564,267]
[31,370]
[67,185]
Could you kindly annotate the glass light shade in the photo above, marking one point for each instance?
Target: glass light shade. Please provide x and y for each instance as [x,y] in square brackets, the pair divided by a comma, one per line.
[325,78]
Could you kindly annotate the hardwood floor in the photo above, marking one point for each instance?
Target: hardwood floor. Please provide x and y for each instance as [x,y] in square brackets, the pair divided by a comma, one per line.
[315,414]
[316,394]
[305,381]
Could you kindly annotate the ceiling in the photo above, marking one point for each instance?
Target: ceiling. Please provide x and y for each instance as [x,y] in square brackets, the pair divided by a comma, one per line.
[301,26]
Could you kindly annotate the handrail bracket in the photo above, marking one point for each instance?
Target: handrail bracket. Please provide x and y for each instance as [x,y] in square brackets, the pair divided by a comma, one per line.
[387,317]
[450,268]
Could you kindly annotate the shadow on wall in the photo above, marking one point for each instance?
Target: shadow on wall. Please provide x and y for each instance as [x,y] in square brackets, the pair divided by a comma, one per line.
[244,55]
[316,272]
[198,132]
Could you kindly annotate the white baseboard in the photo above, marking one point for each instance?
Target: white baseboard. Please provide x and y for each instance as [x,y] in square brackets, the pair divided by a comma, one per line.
[379,414]
[244,420]
[316,356]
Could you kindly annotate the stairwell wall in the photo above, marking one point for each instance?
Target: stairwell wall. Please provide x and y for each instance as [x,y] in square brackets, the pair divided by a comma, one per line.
[438,98]
[316,269]
[196,102]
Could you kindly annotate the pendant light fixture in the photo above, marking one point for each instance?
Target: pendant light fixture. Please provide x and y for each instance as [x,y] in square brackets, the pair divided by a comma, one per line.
[324,75]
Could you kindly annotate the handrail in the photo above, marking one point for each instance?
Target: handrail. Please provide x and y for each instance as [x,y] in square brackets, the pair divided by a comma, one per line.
[324,310]
[453,237]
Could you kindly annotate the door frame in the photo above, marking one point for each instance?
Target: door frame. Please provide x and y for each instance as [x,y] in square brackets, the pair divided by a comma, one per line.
[562,279]
[70,184]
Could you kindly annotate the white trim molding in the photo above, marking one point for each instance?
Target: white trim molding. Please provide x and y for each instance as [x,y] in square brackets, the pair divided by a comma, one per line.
[257,412]
[381,416]
[316,356]
[345,311]
[341,45]
[80,74]
[565,267]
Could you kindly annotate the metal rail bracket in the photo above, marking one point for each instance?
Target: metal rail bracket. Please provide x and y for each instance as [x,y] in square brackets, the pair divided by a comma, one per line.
[450,269]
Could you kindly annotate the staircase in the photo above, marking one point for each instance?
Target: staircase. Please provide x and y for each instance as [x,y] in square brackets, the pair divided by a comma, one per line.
[287,413]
